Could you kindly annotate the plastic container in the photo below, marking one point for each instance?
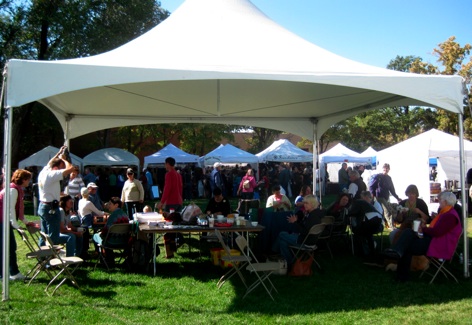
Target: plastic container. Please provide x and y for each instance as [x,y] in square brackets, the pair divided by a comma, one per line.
[225,264]
[216,255]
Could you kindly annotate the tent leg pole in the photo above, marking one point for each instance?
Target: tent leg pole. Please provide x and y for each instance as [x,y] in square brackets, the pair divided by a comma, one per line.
[464,194]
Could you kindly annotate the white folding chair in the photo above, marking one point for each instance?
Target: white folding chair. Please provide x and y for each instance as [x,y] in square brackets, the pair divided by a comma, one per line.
[62,264]
[238,262]
[42,256]
[304,248]
[262,270]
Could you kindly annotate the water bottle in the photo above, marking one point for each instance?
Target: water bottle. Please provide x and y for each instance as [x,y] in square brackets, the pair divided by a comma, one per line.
[461,258]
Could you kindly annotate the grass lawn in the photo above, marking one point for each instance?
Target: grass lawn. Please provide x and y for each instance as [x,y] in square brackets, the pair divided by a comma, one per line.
[184,292]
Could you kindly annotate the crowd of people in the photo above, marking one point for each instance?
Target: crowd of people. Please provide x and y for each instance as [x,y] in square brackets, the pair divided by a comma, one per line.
[66,211]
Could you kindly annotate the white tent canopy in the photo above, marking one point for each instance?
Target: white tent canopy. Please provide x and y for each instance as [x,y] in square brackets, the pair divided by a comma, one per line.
[409,160]
[284,151]
[336,156]
[170,150]
[203,65]
[228,154]
[370,152]
[111,157]
[43,156]
[218,61]
[341,153]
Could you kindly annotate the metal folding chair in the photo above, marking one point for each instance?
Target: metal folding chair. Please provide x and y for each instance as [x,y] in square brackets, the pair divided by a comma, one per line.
[262,270]
[238,262]
[325,236]
[65,265]
[303,248]
[439,265]
[117,238]
[42,256]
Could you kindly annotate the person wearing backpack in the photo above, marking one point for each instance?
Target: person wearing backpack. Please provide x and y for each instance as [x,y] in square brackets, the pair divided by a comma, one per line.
[381,188]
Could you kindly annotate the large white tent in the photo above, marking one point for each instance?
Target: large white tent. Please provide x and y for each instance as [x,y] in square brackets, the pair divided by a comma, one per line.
[43,156]
[217,61]
[409,160]
[204,65]
[111,157]
[228,154]
[284,151]
[170,150]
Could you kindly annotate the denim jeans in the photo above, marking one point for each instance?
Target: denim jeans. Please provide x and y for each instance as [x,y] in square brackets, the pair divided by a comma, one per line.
[72,249]
[50,223]
[282,243]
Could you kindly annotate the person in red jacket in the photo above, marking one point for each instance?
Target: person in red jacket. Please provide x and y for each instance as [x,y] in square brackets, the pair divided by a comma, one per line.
[172,196]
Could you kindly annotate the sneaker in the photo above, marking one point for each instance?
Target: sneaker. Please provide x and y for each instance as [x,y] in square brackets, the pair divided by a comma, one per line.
[17,276]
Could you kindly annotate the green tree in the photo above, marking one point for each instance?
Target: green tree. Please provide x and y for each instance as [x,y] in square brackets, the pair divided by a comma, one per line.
[61,29]
[261,138]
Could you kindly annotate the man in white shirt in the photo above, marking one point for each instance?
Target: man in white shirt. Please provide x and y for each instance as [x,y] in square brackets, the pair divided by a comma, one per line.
[49,185]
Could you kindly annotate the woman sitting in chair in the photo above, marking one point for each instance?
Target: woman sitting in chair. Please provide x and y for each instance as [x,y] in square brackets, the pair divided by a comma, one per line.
[439,240]
[366,221]
[278,201]
[116,215]
[304,223]
[339,207]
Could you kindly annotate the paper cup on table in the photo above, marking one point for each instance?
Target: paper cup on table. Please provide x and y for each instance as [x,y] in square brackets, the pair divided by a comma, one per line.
[211,222]
[416,225]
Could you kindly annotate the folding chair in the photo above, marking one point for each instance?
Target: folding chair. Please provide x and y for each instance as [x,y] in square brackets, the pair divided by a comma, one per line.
[116,239]
[303,248]
[439,265]
[262,270]
[340,229]
[245,205]
[325,236]
[62,264]
[42,256]
[238,262]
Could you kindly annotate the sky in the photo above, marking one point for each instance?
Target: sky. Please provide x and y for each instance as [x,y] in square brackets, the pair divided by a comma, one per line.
[371,31]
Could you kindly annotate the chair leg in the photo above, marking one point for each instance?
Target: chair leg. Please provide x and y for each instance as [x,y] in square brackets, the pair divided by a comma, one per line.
[228,275]
[261,281]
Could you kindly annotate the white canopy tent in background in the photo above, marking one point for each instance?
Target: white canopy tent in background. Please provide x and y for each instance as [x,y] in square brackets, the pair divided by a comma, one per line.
[335,156]
[170,150]
[43,156]
[111,157]
[228,154]
[372,153]
[203,65]
[409,160]
[284,151]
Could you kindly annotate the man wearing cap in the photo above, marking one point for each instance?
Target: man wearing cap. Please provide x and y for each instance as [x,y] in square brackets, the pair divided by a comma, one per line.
[216,179]
[49,186]
[93,195]
[173,187]
[132,194]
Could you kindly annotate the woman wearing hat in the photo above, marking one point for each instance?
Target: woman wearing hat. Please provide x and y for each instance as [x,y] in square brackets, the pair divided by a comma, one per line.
[87,209]
[132,194]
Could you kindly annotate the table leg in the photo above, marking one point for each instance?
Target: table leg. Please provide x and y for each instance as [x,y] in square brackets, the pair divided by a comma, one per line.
[154,251]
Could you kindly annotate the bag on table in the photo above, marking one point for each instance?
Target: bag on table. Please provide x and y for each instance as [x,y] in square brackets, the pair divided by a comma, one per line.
[190,213]
[302,267]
